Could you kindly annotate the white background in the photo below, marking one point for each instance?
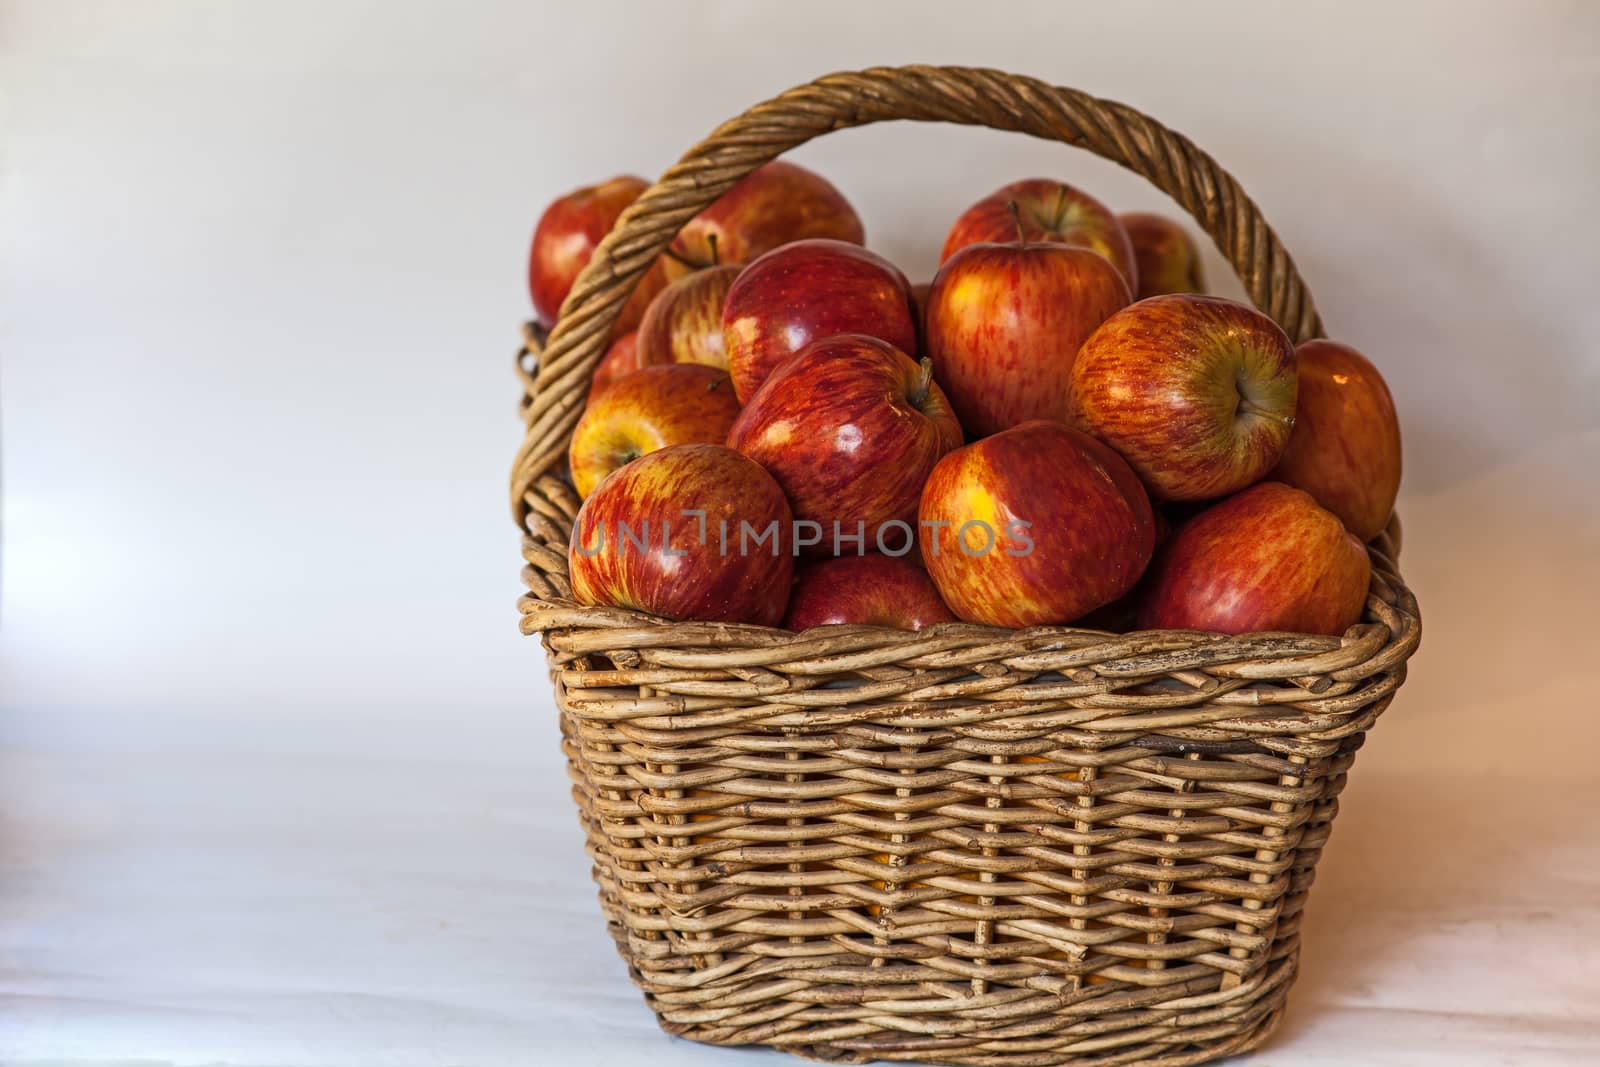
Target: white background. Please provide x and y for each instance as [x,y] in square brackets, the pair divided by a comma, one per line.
[279,780]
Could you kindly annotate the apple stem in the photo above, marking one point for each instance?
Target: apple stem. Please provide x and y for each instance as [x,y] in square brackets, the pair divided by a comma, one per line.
[919,392]
[1016,217]
[1061,205]
[711,239]
[1245,405]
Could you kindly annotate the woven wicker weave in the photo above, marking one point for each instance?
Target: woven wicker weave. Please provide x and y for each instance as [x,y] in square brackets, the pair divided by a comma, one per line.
[966,845]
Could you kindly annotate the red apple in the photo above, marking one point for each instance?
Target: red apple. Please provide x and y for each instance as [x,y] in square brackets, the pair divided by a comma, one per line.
[568,233]
[1345,448]
[621,359]
[1004,324]
[1050,211]
[850,427]
[683,324]
[689,532]
[1168,260]
[1037,524]
[1122,614]
[773,205]
[919,299]
[866,590]
[650,409]
[919,312]
[1268,558]
[805,291]
[1197,393]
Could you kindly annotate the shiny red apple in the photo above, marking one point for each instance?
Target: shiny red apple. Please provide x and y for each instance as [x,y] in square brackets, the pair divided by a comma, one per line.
[1004,323]
[865,590]
[1345,448]
[1269,558]
[806,291]
[1050,211]
[568,233]
[1037,524]
[1197,393]
[689,532]
[683,324]
[774,205]
[1169,261]
[850,428]
[648,410]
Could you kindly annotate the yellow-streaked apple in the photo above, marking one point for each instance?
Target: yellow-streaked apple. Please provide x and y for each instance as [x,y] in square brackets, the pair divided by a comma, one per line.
[1197,393]
[1034,525]
[648,410]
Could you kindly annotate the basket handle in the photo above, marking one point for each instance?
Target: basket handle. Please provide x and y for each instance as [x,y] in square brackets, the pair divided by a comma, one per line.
[966,95]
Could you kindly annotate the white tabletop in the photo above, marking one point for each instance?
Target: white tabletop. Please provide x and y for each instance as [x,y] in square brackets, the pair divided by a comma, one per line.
[279,782]
[299,909]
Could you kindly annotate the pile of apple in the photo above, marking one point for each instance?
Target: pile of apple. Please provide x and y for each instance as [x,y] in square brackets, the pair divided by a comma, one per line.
[1058,429]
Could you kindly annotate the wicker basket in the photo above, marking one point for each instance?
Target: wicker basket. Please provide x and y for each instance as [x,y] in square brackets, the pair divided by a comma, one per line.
[966,845]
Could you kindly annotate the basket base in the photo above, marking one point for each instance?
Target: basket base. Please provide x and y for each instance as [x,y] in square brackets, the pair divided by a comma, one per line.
[1207,1053]
[1201,1030]
[1199,1054]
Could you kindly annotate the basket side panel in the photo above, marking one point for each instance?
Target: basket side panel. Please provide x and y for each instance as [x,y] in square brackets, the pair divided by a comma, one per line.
[1027,895]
